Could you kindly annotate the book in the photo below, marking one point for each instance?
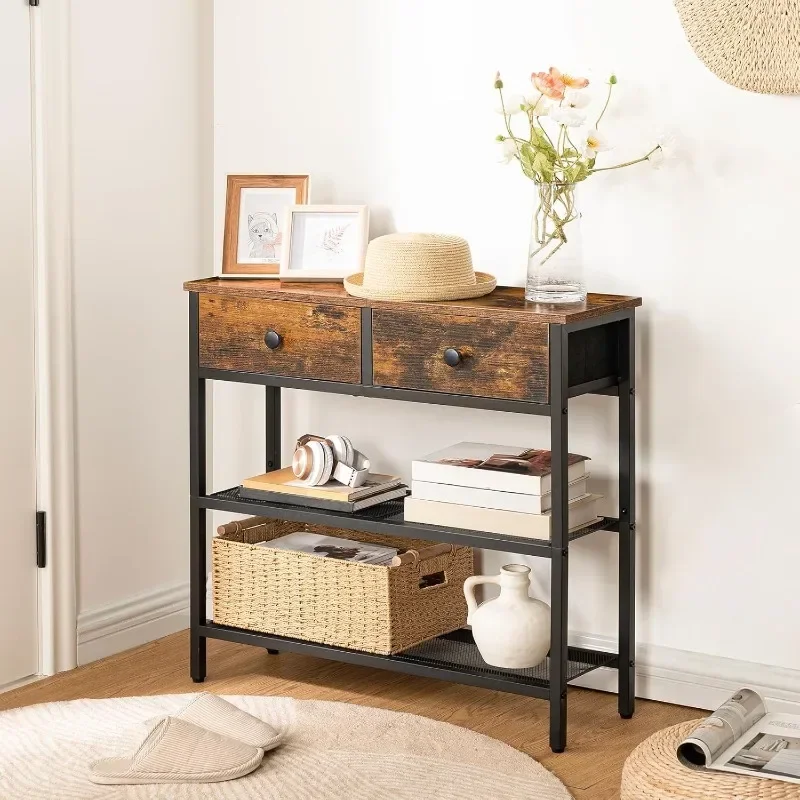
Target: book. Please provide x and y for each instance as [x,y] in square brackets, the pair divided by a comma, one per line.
[284,481]
[582,512]
[315,544]
[324,503]
[745,737]
[494,466]
[493,498]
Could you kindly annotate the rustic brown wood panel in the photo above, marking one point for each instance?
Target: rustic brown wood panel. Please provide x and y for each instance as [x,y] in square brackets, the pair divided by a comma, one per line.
[503,303]
[506,359]
[319,340]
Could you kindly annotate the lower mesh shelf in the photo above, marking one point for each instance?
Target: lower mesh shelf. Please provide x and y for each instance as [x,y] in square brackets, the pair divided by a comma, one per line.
[458,651]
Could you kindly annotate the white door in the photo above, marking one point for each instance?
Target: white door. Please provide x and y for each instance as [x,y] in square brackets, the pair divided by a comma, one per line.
[18,579]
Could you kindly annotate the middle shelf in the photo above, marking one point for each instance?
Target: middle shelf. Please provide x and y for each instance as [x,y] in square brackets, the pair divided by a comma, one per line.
[387,518]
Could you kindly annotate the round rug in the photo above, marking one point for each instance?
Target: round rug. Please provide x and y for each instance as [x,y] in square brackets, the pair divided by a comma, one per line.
[332,750]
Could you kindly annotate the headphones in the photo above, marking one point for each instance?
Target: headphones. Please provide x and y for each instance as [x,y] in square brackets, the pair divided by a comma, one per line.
[316,460]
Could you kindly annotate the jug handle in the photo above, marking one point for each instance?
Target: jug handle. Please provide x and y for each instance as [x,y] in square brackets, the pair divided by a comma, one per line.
[469,591]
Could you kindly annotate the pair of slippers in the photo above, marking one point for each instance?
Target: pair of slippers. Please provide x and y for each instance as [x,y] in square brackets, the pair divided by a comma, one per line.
[208,740]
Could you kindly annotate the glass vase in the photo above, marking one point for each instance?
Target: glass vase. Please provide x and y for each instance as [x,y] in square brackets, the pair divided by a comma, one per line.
[555,257]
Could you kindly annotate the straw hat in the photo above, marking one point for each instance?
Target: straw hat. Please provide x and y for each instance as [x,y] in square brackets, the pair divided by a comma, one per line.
[419,266]
[752,44]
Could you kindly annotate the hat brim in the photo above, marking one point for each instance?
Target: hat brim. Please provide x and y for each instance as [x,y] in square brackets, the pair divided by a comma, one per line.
[484,284]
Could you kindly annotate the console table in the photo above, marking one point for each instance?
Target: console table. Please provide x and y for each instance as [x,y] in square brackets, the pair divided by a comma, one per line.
[495,352]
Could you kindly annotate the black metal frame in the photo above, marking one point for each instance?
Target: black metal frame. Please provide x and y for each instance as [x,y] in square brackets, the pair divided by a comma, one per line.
[565,663]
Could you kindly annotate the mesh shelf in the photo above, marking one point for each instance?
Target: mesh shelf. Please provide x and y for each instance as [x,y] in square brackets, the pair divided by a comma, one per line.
[390,514]
[458,651]
[452,657]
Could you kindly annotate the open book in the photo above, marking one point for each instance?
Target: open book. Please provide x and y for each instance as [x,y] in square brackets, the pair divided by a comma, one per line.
[742,736]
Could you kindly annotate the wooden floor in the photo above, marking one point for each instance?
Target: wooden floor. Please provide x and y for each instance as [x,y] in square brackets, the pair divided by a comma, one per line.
[598,740]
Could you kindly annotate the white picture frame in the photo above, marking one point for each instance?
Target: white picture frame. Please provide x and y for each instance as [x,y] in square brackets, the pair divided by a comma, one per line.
[324,242]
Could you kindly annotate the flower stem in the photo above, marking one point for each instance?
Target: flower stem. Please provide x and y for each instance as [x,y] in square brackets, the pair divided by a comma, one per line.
[508,124]
[608,100]
[627,163]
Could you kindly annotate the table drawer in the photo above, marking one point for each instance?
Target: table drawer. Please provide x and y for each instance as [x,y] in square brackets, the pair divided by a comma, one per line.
[316,340]
[498,358]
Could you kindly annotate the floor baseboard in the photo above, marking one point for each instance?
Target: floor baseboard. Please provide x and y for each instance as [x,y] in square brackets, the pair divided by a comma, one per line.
[105,631]
[693,679]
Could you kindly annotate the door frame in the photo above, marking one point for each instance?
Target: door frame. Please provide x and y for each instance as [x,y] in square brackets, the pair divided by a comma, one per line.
[54,336]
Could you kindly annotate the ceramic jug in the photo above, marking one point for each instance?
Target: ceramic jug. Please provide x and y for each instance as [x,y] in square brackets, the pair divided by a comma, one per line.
[513,630]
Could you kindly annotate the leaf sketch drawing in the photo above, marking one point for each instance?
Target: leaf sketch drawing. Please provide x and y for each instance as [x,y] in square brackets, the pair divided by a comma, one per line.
[331,241]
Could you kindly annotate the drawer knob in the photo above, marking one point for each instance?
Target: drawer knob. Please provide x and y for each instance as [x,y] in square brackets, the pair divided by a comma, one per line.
[273,339]
[452,357]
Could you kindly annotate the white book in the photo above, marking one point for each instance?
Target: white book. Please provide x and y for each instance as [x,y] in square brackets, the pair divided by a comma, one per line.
[506,468]
[493,498]
[490,520]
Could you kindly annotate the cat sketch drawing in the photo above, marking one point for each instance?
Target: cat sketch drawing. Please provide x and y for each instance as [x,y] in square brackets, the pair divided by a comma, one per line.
[331,241]
[265,238]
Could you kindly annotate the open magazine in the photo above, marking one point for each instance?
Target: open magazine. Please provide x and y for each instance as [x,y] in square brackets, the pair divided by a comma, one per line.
[742,736]
[316,544]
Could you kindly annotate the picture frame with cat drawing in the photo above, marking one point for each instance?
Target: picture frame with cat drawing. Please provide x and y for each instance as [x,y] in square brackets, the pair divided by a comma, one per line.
[323,242]
[255,213]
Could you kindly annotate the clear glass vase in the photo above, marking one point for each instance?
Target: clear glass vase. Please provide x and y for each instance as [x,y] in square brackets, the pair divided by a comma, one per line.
[555,257]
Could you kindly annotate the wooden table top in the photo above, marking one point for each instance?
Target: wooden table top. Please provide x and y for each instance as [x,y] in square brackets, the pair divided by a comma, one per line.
[503,303]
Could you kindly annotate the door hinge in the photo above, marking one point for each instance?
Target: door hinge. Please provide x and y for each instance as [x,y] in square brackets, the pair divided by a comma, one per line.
[33,2]
[41,539]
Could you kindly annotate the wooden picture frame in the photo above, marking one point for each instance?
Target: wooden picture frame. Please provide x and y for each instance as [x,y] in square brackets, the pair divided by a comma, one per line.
[324,242]
[254,215]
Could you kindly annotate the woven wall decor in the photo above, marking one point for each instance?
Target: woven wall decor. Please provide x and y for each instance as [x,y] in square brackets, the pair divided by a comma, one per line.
[751,44]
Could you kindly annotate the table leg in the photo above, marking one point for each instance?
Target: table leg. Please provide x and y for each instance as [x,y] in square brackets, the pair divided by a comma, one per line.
[197,483]
[627,517]
[559,560]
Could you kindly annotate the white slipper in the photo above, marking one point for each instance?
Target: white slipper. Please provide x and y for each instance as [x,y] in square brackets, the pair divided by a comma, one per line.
[218,715]
[176,751]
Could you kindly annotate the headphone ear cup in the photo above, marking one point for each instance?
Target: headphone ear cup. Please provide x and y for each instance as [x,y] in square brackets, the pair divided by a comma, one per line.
[328,463]
[342,449]
[317,450]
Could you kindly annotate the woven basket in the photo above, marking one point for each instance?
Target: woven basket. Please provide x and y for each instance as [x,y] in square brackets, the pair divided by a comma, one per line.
[653,772]
[359,606]
[751,44]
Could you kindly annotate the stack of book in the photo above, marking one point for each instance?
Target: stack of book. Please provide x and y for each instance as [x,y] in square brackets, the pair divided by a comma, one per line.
[281,486]
[497,489]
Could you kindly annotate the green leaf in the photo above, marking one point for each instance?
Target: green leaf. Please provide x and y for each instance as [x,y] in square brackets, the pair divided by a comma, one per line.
[570,152]
[543,165]
[540,141]
[577,172]
[526,156]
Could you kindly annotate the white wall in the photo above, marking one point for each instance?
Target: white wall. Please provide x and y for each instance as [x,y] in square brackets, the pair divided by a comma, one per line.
[391,104]
[141,178]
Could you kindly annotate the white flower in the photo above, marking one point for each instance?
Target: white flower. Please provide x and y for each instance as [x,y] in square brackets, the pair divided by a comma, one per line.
[565,115]
[595,143]
[666,145]
[508,151]
[656,158]
[576,98]
[538,104]
[513,105]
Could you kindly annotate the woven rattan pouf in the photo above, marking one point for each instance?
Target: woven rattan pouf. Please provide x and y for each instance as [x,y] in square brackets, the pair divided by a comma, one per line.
[653,772]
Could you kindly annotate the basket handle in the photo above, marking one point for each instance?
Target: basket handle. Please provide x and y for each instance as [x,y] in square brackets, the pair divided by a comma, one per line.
[241,525]
[415,556]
